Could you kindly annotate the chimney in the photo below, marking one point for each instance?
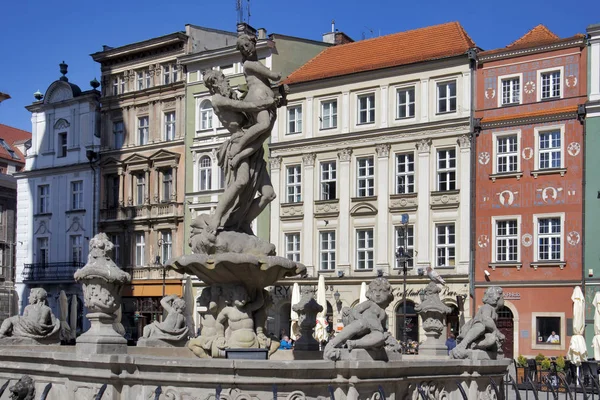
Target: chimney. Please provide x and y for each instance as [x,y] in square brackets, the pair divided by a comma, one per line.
[336,37]
[262,33]
[245,29]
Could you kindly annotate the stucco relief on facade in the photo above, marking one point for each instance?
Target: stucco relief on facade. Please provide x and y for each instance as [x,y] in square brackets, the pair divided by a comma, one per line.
[383,150]
[423,145]
[404,202]
[345,154]
[507,197]
[484,158]
[275,162]
[443,200]
[292,211]
[483,241]
[309,159]
[327,208]
[549,195]
[527,240]
[573,238]
[490,93]
[571,81]
[76,225]
[529,87]
[573,149]
[527,153]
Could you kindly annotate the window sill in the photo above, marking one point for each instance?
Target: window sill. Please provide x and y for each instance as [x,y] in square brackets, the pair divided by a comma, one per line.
[502,175]
[73,149]
[326,271]
[330,201]
[403,195]
[404,119]
[48,153]
[442,192]
[293,133]
[363,198]
[516,265]
[549,171]
[517,103]
[296,203]
[445,112]
[363,270]
[365,123]
[42,215]
[331,128]
[77,210]
[551,98]
[549,263]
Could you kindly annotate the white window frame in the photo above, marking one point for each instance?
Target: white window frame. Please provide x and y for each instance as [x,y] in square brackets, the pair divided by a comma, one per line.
[327,176]
[500,86]
[327,248]
[43,193]
[331,121]
[365,176]
[447,258]
[366,250]
[292,246]
[140,249]
[448,97]
[204,173]
[293,183]
[536,237]
[143,130]
[543,129]
[63,144]
[496,238]
[294,119]
[406,175]
[166,184]
[166,250]
[169,74]
[540,72]
[115,238]
[563,331]
[118,134]
[76,248]
[496,136]
[410,247]
[42,244]
[169,124]
[407,103]
[140,188]
[140,80]
[205,115]
[448,170]
[115,86]
[77,195]
[370,108]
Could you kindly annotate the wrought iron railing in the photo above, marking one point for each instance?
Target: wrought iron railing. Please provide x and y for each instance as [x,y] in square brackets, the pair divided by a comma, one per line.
[57,271]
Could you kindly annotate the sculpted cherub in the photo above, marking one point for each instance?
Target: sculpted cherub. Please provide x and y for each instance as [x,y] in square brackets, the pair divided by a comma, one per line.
[364,324]
[173,327]
[238,316]
[202,346]
[37,321]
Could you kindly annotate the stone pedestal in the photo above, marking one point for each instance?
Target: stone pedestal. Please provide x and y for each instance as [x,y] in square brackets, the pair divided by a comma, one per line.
[433,314]
[307,309]
[101,338]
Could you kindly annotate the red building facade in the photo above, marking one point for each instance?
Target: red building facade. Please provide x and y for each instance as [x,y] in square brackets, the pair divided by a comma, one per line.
[529,186]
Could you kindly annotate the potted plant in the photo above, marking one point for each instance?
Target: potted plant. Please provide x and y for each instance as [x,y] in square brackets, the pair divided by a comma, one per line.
[521,365]
[545,366]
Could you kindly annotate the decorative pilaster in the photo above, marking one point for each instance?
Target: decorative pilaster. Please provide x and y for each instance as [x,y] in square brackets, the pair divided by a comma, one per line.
[345,234]
[345,112]
[424,106]
[147,182]
[308,118]
[382,191]
[121,174]
[423,188]
[308,198]
[173,195]
[464,172]
[275,166]
[384,107]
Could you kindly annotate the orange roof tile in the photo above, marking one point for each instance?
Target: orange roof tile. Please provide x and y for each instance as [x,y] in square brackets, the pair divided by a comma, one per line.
[539,113]
[430,43]
[538,36]
[10,136]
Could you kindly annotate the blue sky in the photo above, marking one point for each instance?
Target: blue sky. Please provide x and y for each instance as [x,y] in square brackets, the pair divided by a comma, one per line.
[38,34]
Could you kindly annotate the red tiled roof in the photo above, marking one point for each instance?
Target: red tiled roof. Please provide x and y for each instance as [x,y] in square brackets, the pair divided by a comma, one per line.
[11,136]
[430,43]
[540,113]
[538,36]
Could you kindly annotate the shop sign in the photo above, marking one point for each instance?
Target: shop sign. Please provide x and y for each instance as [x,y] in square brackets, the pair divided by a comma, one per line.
[512,296]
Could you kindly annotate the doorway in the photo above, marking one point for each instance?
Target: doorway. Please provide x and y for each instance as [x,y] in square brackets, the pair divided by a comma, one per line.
[505,325]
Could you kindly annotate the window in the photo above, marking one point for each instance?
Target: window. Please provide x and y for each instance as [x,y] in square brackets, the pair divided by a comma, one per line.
[148,79]
[112,192]
[329,114]
[77,195]
[409,245]
[76,242]
[222,177]
[327,250]
[122,84]
[118,136]
[169,74]
[550,84]
[446,94]
[115,86]
[328,180]
[140,80]
[170,126]
[405,173]
[227,69]
[550,149]
[292,246]
[294,184]
[446,170]
[507,154]
[62,144]
[140,247]
[143,125]
[411,326]
[366,109]
[205,173]
[549,239]
[511,91]
[294,119]
[116,241]
[167,184]
[507,240]
[43,199]
[166,246]
[364,249]
[445,243]
[206,115]
[365,177]
[140,192]
[43,251]
[548,330]
[405,98]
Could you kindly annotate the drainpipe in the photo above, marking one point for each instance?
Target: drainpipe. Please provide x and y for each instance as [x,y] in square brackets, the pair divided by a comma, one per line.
[93,156]
[472,56]
[581,111]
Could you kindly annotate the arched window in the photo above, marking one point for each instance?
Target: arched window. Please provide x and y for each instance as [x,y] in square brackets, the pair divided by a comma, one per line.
[205,173]
[206,115]
[412,321]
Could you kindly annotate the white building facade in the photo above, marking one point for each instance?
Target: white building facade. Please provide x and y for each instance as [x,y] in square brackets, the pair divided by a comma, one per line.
[57,193]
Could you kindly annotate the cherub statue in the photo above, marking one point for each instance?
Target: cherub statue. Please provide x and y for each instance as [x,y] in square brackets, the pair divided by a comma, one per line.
[238,316]
[24,389]
[481,332]
[37,321]
[174,327]
[100,248]
[202,346]
[364,324]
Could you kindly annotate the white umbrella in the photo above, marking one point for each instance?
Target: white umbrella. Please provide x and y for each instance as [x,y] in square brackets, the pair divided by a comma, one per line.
[321,328]
[363,292]
[294,328]
[188,297]
[73,317]
[596,340]
[63,303]
[578,349]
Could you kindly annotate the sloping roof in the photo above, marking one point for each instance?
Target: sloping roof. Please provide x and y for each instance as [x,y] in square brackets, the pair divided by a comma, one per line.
[430,43]
[9,136]
[531,114]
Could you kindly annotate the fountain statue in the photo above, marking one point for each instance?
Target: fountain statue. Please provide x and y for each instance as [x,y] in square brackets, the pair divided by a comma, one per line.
[172,331]
[24,389]
[227,256]
[433,314]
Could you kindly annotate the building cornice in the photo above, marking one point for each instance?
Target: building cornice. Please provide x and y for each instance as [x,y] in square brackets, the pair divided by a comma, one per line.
[524,284]
[162,93]
[529,120]
[220,52]
[592,109]
[53,170]
[577,42]
[144,46]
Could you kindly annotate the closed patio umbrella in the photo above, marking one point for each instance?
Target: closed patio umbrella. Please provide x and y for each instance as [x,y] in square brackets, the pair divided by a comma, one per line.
[596,340]
[73,317]
[577,348]
[294,329]
[321,328]
[188,297]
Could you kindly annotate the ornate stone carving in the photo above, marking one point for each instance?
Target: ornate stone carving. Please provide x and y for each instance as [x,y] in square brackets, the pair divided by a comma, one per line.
[433,314]
[307,309]
[445,199]
[309,159]
[464,141]
[431,392]
[24,389]
[383,150]
[403,202]
[424,145]
[327,208]
[345,154]
[172,331]
[292,211]
[275,162]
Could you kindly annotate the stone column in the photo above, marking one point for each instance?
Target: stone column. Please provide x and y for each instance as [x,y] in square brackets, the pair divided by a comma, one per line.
[121,186]
[157,194]
[383,154]
[464,172]
[424,105]
[345,234]
[423,194]
[275,164]
[147,181]
[383,118]
[345,112]
[308,118]
[173,195]
[308,198]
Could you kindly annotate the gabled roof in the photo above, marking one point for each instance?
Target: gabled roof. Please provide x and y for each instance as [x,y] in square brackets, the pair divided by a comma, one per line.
[9,136]
[430,43]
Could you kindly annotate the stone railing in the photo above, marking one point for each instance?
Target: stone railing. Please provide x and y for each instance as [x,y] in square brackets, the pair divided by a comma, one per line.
[160,210]
[153,272]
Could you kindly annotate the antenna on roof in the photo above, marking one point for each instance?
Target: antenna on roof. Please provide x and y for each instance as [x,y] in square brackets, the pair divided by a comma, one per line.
[248,9]
[239,8]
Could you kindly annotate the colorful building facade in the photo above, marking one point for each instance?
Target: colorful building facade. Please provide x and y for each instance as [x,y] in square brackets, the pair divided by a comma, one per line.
[528,202]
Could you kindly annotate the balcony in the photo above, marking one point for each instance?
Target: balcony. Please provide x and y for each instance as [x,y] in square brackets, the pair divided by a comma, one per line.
[58,271]
[153,211]
[152,272]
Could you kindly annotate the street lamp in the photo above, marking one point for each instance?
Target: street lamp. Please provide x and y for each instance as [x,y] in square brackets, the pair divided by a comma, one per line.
[402,256]
[160,243]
